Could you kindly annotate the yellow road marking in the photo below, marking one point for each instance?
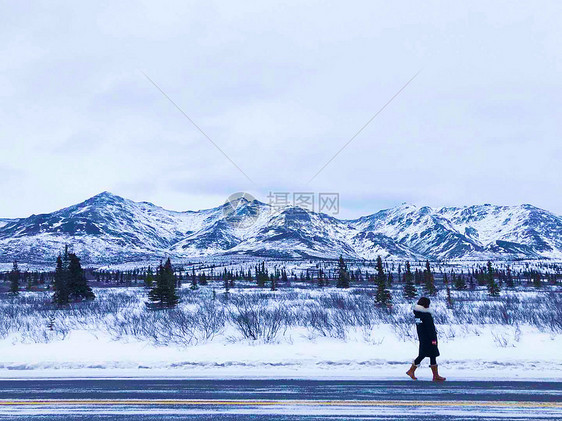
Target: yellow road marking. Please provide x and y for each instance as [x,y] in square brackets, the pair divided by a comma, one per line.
[242,402]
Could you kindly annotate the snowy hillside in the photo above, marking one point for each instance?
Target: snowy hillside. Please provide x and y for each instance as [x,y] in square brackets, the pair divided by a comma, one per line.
[108,228]
[5,221]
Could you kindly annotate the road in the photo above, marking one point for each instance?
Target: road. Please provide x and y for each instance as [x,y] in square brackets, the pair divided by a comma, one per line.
[149,400]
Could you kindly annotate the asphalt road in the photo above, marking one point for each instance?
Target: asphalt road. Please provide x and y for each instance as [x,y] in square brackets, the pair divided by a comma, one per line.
[136,399]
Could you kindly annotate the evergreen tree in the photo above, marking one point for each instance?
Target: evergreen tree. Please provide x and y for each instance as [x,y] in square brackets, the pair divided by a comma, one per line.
[382,296]
[483,278]
[493,287]
[343,274]
[447,286]
[203,279]
[273,282]
[509,278]
[320,278]
[418,277]
[537,279]
[410,291]
[61,295]
[158,292]
[194,280]
[179,277]
[284,277]
[429,280]
[262,277]
[78,288]
[14,278]
[149,278]
[28,281]
[459,282]
[226,282]
[163,294]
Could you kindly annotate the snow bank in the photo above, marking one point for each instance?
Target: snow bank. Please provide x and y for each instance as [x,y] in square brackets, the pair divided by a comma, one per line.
[84,354]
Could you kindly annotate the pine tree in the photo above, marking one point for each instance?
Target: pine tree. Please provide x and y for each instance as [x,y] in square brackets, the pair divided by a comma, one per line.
[262,277]
[509,278]
[447,286]
[14,278]
[273,282]
[149,278]
[172,298]
[343,274]
[418,277]
[61,295]
[28,281]
[163,294]
[320,278]
[382,296]
[284,277]
[483,278]
[194,279]
[493,287]
[410,291]
[158,292]
[203,279]
[78,288]
[226,282]
[459,282]
[429,280]
[537,279]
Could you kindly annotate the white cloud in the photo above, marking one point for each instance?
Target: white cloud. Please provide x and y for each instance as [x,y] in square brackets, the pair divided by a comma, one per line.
[280,87]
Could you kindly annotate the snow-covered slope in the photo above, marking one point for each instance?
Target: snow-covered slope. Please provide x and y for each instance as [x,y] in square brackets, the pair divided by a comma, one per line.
[422,231]
[478,232]
[107,228]
[503,229]
[6,221]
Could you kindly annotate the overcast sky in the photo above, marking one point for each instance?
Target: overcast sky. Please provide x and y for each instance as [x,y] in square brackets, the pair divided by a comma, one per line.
[280,87]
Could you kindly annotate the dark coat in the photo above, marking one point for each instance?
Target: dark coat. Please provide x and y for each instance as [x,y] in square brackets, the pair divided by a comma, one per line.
[426,332]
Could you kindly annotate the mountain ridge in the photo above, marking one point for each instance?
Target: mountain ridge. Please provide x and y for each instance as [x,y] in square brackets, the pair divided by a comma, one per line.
[107,228]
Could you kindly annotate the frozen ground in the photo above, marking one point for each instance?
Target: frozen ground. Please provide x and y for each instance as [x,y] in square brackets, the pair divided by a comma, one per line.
[285,334]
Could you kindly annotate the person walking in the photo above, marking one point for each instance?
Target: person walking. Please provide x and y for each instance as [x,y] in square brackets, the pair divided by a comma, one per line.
[427,336]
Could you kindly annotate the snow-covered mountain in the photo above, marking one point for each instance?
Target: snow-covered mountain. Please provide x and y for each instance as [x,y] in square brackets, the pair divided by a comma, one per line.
[107,228]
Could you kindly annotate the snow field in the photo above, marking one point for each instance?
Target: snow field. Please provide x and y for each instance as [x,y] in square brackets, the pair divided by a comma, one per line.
[290,333]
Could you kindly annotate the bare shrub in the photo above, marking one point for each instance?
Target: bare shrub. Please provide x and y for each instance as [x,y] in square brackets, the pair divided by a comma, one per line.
[255,320]
[210,318]
[323,322]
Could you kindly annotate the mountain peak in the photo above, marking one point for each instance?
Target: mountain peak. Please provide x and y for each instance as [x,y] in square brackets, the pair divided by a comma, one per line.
[105,196]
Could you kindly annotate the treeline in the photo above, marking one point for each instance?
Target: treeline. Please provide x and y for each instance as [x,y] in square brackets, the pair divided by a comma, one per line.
[29,280]
[68,281]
